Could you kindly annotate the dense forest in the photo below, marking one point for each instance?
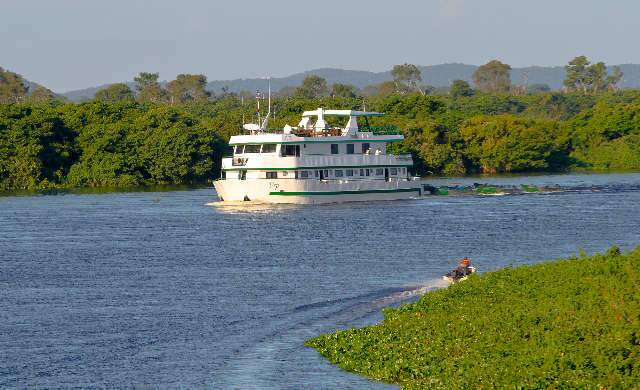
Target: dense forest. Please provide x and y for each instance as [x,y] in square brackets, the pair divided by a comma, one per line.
[177,133]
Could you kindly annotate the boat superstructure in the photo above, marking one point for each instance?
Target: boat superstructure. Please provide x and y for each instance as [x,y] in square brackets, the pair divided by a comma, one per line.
[316,163]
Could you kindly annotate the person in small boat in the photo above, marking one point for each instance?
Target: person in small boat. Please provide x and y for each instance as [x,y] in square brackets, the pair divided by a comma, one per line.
[463,269]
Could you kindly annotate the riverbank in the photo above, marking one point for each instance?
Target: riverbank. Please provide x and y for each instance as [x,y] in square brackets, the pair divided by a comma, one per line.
[573,322]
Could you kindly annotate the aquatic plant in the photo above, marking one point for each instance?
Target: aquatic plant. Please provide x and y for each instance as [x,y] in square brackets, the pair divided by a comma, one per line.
[571,323]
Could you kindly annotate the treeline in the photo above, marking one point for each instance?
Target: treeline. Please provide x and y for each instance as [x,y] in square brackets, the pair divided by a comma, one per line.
[177,133]
[100,144]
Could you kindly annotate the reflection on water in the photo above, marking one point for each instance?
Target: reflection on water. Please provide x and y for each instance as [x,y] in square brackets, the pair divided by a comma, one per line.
[148,289]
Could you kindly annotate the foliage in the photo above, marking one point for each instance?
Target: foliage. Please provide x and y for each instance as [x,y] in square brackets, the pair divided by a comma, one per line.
[312,87]
[460,88]
[567,324]
[149,89]
[188,88]
[506,144]
[104,144]
[12,87]
[41,94]
[493,76]
[114,93]
[51,143]
[344,90]
[406,77]
[590,78]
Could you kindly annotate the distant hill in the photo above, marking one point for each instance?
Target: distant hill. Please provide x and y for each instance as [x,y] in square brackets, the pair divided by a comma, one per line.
[435,75]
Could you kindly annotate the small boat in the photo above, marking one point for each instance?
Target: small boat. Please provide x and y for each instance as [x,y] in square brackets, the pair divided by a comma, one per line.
[461,272]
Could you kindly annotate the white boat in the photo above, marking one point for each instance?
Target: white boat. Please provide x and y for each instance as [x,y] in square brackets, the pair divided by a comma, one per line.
[316,163]
[455,277]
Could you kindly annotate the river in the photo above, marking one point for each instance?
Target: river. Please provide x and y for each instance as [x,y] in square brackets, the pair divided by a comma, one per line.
[148,289]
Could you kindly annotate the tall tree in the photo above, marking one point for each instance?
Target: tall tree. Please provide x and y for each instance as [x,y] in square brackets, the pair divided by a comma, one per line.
[577,74]
[614,78]
[114,93]
[406,76]
[148,87]
[590,78]
[460,88]
[343,90]
[12,87]
[313,87]
[493,76]
[187,88]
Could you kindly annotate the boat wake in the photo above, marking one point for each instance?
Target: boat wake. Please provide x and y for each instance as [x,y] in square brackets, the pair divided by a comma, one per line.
[258,361]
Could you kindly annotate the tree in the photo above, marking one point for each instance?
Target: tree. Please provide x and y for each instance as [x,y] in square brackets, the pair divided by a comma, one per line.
[597,77]
[493,76]
[12,87]
[460,88]
[586,77]
[313,87]
[114,93]
[149,89]
[343,90]
[406,76]
[41,95]
[188,87]
[577,74]
[614,78]
[505,143]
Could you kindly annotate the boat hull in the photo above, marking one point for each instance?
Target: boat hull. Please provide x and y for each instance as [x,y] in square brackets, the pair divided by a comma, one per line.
[316,191]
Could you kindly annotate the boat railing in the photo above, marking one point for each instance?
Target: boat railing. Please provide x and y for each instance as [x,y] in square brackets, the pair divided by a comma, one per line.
[334,132]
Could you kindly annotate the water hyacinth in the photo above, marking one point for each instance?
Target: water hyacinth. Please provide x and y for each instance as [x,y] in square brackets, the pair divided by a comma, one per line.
[569,323]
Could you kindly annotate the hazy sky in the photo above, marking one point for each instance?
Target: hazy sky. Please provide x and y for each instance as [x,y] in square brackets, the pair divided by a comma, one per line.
[72,44]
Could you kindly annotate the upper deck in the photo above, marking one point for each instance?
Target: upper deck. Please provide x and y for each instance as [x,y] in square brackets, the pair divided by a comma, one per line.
[314,145]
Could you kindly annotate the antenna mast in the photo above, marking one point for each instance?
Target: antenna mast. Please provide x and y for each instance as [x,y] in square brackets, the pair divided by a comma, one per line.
[266,118]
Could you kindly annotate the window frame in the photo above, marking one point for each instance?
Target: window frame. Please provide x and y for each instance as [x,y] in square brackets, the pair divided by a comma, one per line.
[351,149]
[335,148]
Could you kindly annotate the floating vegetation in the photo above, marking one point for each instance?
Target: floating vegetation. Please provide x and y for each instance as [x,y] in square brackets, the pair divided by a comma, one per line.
[566,324]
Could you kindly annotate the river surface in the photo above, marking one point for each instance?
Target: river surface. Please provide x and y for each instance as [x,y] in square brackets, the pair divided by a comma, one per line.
[159,289]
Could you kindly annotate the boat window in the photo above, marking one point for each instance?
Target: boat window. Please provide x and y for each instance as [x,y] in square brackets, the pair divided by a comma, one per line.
[239,149]
[242,175]
[379,172]
[334,149]
[285,173]
[272,175]
[304,174]
[316,173]
[338,173]
[326,173]
[290,150]
[223,175]
[349,172]
[393,171]
[268,148]
[361,172]
[368,171]
[251,149]
[350,148]
[365,148]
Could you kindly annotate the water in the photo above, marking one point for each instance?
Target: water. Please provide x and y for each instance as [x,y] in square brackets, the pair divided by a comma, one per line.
[159,289]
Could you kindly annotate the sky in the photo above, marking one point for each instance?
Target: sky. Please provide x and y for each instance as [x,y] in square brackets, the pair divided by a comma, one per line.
[74,44]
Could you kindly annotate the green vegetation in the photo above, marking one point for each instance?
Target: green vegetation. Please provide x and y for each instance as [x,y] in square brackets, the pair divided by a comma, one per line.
[567,324]
[177,132]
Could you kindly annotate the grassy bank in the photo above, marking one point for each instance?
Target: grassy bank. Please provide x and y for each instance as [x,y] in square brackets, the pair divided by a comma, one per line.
[564,324]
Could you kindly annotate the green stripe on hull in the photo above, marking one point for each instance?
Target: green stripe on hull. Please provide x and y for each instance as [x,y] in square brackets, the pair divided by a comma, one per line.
[353,192]
[324,167]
